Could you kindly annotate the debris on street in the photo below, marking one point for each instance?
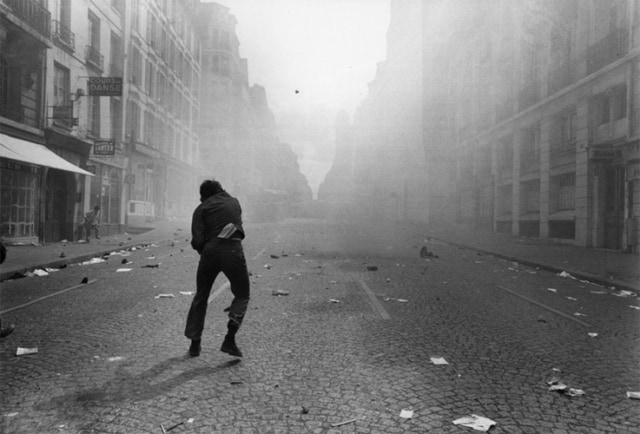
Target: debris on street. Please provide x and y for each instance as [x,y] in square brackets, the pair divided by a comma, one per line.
[633,395]
[623,293]
[274,257]
[426,253]
[151,266]
[579,314]
[479,423]
[186,292]
[85,280]
[123,270]
[400,300]
[164,296]
[334,300]
[278,292]
[39,272]
[552,290]
[334,425]
[372,268]
[115,358]
[406,414]
[566,275]
[556,385]
[593,335]
[25,351]
[439,361]
[126,261]
[93,261]
[571,298]
[634,307]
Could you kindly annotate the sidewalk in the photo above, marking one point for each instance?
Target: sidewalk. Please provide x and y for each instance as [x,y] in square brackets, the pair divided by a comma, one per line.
[602,266]
[21,259]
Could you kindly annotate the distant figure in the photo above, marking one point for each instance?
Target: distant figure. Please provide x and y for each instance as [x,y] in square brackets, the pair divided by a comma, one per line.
[217,233]
[92,221]
[4,331]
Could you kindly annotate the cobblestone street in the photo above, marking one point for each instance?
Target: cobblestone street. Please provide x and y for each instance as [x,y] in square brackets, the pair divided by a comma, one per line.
[348,345]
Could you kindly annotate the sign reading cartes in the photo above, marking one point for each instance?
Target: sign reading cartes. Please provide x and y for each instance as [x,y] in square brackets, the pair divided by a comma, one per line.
[104,147]
[105,86]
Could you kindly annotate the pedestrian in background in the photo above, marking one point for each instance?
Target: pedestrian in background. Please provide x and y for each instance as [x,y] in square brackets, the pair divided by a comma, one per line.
[4,331]
[92,221]
[217,235]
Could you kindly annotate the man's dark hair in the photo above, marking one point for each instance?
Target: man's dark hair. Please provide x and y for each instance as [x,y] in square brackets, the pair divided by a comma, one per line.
[208,188]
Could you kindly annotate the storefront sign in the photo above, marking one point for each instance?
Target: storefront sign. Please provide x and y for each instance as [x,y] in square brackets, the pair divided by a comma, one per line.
[104,147]
[105,86]
[12,165]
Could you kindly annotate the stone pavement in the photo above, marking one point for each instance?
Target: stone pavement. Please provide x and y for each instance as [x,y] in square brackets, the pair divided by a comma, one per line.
[23,258]
[607,267]
[603,266]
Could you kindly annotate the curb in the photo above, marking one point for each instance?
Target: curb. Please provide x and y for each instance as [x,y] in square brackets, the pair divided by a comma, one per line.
[600,280]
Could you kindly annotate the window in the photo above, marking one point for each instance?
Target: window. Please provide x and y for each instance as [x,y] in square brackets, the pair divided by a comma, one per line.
[530,151]
[65,13]
[94,32]
[135,66]
[612,105]
[93,125]
[530,197]
[116,119]
[563,192]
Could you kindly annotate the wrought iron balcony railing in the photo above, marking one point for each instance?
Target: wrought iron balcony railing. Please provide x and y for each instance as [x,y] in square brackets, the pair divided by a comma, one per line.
[607,50]
[33,13]
[94,57]
[64,36]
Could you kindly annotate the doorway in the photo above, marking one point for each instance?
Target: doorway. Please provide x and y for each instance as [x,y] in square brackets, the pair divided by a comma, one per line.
[614,207]
[56,207]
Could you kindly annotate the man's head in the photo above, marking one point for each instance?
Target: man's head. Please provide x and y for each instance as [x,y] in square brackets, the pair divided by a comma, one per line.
[208,188]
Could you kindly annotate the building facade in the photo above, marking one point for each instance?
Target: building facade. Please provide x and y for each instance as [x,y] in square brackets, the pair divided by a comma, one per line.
[544,118]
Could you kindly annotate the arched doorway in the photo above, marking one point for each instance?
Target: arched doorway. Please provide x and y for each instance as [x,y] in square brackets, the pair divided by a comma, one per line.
[58,206]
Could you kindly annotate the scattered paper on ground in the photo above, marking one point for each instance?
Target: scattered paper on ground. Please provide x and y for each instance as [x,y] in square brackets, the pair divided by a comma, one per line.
[39,272]
[633,395]
[333,300]
[623,293]
[93,261]
[571,298]
[186,292]
[278,292]
[164,296]
[406,414]
[566,275]
[24,351]
[439,361]
[593,335]
[579,314]
[476,422]
[123,270]
[634,307]
[115,359]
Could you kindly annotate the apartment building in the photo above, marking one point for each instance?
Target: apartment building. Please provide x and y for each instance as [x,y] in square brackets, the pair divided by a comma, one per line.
[543,118]
[162,108]
[41,181]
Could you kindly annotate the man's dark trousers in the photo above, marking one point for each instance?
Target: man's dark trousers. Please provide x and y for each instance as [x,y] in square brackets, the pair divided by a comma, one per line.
[226,256]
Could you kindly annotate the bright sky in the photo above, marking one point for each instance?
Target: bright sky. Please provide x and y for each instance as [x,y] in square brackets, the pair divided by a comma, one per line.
[327,50]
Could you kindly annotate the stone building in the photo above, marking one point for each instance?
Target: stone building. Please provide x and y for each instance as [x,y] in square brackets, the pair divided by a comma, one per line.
[544,118]
[42,187]
[240,145]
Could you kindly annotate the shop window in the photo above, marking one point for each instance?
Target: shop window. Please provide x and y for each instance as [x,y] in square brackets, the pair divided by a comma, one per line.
[563,192]
[18,196]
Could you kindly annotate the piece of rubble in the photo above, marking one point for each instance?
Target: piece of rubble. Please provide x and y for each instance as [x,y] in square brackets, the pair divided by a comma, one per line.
[439,361]
[406,413]
[123,270]
[164,296]
[278,292]
[633,395]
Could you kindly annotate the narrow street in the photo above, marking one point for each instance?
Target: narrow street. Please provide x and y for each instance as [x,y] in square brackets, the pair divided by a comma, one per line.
[351,339]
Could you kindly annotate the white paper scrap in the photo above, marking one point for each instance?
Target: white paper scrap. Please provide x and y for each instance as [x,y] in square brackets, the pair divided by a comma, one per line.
[593,335]
[123,270]
[566,275]
[115,359]
[579,314]
[93,261]
[15,413]
[39,272]
[571,298]
[633,395]
[439,361]
[406,414]
[552,289]
[24,351]
[186,292]
[623,293]
[333,300]
[476,422]
[634,307]
[574,392]
[164,296]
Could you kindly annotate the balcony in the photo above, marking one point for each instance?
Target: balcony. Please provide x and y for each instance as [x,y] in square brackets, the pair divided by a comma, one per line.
[33,14]
[562,76]
[94,58]
[63,36]
[607,50]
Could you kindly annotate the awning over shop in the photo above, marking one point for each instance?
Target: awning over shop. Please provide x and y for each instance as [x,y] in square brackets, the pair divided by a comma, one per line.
[28,152]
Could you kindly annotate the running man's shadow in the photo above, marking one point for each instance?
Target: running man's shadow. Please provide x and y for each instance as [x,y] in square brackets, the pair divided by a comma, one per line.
[135,387]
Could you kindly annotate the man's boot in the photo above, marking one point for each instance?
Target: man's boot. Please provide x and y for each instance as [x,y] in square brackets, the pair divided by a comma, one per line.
[194,349]
[229,344]
[6,331]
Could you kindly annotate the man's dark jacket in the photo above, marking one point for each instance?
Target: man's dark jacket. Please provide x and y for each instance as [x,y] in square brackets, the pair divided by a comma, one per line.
[211,216]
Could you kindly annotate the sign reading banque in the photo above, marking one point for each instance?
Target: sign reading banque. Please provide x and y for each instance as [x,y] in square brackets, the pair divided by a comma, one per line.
[105,86]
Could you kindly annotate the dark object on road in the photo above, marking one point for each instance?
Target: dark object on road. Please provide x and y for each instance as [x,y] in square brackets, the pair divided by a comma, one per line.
[17,275]
[85,280]
[166,430]
[62,255]
[275,257]
[305,410]
[372,268]
[6,331]
[229,346]
[425,253]
[125,261]
[151,266]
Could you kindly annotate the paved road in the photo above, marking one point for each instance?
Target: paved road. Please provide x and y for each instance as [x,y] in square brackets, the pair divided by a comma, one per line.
[346,344]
